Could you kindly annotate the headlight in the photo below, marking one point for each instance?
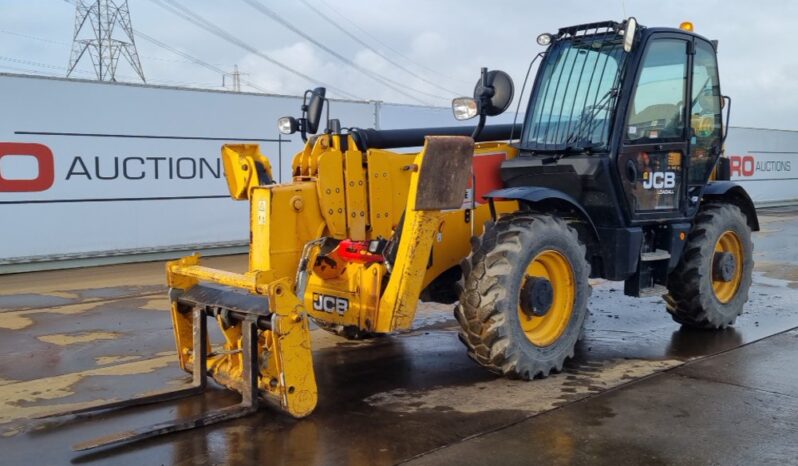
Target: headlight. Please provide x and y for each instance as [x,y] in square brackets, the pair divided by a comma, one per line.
[287,125]
[544,39]
[464,108]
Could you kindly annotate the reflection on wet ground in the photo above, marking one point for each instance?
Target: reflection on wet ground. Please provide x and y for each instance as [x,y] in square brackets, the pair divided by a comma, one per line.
[381,401]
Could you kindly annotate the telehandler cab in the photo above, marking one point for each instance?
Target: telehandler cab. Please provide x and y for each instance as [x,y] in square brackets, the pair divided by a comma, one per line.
[616,172]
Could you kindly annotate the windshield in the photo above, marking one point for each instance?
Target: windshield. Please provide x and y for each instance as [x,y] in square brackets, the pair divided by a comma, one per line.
[573,99]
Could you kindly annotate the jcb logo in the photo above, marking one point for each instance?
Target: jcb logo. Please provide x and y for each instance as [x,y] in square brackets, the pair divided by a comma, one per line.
[327,303]
[659,180]
[45,165]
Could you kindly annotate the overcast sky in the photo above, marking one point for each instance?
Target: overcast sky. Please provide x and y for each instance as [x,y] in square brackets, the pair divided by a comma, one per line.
[443,43]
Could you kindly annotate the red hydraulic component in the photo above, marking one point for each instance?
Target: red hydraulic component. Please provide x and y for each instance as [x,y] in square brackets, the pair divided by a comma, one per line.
[358,251]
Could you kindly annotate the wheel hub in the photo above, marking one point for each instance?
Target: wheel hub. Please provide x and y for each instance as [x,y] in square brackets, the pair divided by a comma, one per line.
[537,296]
[724,266]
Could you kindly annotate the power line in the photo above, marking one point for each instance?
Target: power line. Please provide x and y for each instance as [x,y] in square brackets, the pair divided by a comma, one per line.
[373,75]
[215,30]
[360,41]
[61,69]
[377,40]
[30,71]
[194,60]
[37,64]
[55,42]
[40,39]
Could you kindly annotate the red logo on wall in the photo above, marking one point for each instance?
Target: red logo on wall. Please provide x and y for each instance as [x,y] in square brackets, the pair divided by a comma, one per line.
[742,165]
[46,167]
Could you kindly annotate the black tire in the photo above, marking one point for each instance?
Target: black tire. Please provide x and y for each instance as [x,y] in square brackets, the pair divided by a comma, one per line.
[488,309]
[691,299]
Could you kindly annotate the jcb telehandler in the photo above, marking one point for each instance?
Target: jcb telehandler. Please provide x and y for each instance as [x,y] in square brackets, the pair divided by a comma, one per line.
[616,173]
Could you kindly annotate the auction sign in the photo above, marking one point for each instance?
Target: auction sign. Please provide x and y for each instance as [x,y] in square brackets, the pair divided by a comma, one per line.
[99,169]
[765,163]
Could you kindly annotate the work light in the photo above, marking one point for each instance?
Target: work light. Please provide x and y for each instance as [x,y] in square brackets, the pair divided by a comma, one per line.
[544,39]
[464,108]
[287,125]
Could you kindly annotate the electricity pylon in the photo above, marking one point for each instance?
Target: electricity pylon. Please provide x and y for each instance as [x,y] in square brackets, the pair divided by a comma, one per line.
[111,35]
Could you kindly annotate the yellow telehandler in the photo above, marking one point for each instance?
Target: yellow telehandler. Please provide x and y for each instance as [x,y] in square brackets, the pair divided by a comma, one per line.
[616,172]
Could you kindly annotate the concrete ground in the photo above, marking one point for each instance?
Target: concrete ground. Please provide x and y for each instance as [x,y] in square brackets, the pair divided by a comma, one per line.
[640,389]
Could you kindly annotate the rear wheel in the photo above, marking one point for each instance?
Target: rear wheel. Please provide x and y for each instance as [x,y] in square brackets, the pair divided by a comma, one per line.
[525,295]
[710,284]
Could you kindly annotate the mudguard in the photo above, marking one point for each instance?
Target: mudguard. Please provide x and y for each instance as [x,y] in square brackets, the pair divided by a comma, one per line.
[729,191]
[536,195]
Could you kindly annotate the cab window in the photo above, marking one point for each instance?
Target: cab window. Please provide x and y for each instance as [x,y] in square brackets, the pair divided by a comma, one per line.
[657,109]
[705,114]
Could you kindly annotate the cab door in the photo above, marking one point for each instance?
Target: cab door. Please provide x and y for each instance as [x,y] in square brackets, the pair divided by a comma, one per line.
[706,125]
[654,147]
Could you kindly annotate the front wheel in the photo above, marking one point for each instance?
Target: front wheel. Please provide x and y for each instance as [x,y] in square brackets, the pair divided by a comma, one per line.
[524,302]
[709,286]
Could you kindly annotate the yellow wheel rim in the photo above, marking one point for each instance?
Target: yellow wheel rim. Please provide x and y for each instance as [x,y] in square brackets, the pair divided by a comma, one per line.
[553,266]
[728,242]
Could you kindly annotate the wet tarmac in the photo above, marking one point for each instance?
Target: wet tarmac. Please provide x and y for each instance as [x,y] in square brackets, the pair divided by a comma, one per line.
[640,389]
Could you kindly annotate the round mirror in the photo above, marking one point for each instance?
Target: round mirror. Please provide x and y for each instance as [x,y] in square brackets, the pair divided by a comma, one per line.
[314,109]
[499,89]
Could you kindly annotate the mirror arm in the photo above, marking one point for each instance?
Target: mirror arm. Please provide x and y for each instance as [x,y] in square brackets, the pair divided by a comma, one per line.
[484,76]
[303,121]
[327,108]
[482,102]
[479,126]
[302,127]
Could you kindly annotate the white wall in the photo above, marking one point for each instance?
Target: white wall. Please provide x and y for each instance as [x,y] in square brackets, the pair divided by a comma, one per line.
[141,129]
[765,163]
[129,132]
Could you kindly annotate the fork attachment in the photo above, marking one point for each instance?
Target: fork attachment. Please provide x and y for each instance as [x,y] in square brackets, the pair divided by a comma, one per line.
[249,392]
[266,355]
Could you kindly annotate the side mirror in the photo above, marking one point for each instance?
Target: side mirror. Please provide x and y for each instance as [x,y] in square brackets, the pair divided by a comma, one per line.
[629,34]
[314,109]
[494,92]
[492,95]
